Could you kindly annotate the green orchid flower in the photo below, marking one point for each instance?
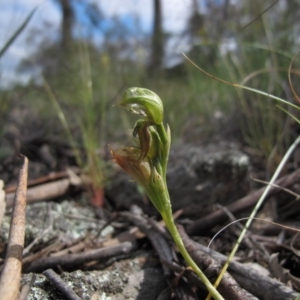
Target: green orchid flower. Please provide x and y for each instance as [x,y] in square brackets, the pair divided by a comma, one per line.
[147,164]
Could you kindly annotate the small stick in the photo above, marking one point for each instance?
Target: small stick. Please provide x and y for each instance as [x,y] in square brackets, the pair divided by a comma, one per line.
[43,192]
[11,273]
[50,177]
[60,285]
[74,260]
[2,201]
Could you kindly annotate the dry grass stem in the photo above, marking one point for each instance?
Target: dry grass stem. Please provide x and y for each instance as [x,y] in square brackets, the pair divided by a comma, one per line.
[2,201]
[11,273]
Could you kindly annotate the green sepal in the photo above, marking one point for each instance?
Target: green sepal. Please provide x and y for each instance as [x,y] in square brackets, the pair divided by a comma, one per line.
[145,103]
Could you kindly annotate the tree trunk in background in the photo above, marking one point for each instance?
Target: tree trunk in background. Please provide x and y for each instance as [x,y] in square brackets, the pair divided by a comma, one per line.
[157,47]
[195,22]
[67,22]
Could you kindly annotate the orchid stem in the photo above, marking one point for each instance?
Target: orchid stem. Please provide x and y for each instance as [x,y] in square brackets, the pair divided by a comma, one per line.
[169,221]
[148,163]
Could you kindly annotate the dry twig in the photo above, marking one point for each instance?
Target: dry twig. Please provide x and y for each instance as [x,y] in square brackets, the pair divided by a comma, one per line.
[44,179]
[60,285]
[2,201]
[45,191]
[72,261]
[11,273]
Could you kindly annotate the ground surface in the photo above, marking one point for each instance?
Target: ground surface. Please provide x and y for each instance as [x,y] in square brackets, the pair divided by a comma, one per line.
[119,251]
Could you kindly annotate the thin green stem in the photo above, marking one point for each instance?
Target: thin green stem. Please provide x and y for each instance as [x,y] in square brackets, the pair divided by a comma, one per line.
[178,241]
[169,221]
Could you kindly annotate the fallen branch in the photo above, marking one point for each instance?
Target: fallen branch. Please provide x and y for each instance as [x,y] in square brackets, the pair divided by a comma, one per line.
[43,192]
[209,221]
[44,179]
[60,285]
[52,189]
[11,273]
[72,261]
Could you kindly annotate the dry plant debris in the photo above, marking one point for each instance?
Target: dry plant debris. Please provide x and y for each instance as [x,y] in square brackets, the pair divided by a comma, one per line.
[69,239]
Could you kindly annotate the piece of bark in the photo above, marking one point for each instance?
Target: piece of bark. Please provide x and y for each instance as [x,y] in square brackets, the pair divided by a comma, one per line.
[263,287]
[11,273]
[209,221]
[74,260]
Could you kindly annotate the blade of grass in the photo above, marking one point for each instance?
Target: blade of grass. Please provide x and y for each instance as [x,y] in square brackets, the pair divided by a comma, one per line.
[242,86]
[257,17]
[290,79]
[63,121]
[17,33]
